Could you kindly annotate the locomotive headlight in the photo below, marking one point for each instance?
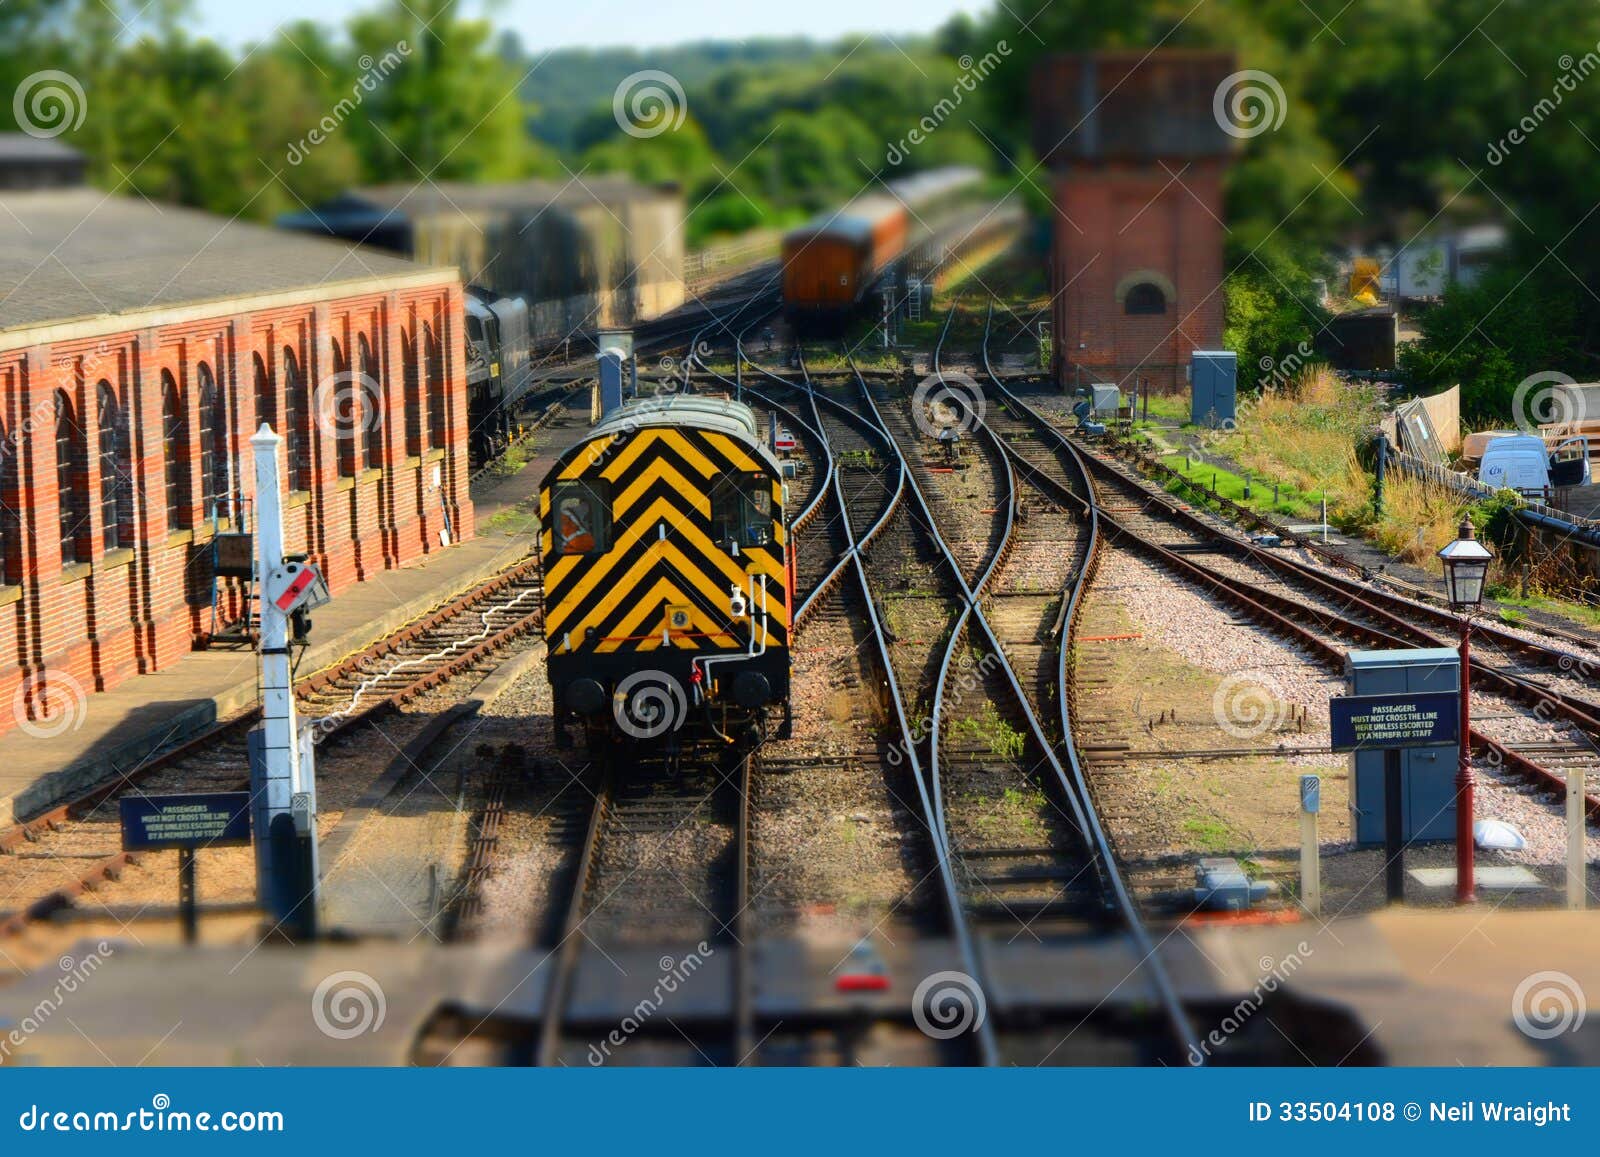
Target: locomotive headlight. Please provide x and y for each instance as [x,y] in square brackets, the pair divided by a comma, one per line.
[737,607]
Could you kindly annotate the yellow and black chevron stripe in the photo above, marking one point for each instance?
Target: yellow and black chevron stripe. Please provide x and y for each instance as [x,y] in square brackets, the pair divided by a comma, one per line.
[662,582]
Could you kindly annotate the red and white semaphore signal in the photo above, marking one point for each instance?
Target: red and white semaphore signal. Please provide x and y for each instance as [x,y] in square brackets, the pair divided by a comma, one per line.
[283,766]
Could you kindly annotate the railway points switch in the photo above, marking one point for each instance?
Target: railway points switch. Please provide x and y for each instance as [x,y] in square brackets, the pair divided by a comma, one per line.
[1220,884]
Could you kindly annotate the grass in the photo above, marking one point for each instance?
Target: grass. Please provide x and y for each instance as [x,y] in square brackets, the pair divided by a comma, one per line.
[1208,834]
[515,457]
[521,519]
[1418,518]
[1291,501]
[1163,409]
[1002,739]
[1512,607]
[1015,810]
[1303,437]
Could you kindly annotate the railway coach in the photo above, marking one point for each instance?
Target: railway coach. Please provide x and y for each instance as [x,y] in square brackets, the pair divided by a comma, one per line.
[832,262]
[667,578]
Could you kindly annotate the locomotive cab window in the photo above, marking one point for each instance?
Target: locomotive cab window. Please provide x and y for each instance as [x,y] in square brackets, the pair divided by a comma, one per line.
[582,518]
[741,511]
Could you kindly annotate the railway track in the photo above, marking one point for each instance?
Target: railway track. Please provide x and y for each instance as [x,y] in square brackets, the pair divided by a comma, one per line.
[74,848]
[650,827]
[1068,880]
[1319,610]
[1013,840]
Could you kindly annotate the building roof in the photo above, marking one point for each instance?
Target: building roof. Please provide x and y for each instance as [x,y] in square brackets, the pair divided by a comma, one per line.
[21,148]
[505,196]
[79,255]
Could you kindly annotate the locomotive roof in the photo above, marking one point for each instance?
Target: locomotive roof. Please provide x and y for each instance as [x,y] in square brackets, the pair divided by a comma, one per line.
[734,419]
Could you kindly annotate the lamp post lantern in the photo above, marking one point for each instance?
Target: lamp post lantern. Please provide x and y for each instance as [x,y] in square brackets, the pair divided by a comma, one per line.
[1466,566]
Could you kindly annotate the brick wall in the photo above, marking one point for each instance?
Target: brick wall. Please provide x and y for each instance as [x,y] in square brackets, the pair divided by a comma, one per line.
[141,601]
[1121,225]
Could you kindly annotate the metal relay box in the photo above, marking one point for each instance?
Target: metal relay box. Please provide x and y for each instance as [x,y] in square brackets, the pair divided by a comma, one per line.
[1213,388]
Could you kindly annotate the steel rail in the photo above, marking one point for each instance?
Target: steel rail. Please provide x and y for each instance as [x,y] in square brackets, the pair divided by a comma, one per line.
[852,559]
[1283,613]
[1074,786]
[558,989]
[1389,610]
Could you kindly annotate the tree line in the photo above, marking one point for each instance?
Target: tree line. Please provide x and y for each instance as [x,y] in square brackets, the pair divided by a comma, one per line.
[1399,116]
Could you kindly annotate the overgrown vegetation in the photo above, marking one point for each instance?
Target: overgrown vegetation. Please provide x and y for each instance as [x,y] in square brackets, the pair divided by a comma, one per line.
[988,728]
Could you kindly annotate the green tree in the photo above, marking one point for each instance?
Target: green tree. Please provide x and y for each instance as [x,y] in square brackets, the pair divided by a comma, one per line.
[437,99]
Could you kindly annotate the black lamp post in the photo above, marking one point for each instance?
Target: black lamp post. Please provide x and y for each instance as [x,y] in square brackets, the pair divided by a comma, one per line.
[1466,566]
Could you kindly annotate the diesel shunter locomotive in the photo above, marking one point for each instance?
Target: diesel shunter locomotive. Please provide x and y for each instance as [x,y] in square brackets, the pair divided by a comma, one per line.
[668,578]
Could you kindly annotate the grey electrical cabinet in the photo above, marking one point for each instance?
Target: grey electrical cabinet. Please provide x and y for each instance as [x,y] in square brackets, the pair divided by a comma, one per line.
[1105,399]
[1213,388]
[1427,801]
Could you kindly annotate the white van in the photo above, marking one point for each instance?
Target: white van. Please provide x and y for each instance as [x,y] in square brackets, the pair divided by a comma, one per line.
[1522,462]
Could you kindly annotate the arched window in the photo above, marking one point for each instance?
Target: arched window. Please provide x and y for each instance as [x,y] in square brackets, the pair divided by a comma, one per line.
[341,414]
[1145,298]
[10,524]
[297,422]
[433,376]
[116,470]
[71,482]
[411,373]
[213,446]
[175,437]
[266,397]
[369,395]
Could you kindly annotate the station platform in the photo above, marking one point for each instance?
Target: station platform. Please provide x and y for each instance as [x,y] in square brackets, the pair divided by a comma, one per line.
[114,731]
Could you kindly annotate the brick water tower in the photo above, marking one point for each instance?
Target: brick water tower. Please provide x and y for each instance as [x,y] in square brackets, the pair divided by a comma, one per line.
[1136,159]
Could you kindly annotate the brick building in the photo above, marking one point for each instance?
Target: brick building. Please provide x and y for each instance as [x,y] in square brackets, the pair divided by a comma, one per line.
[1137,159]
[140,347]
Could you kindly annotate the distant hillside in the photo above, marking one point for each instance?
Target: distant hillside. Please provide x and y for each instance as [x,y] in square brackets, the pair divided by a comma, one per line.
[573,82]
